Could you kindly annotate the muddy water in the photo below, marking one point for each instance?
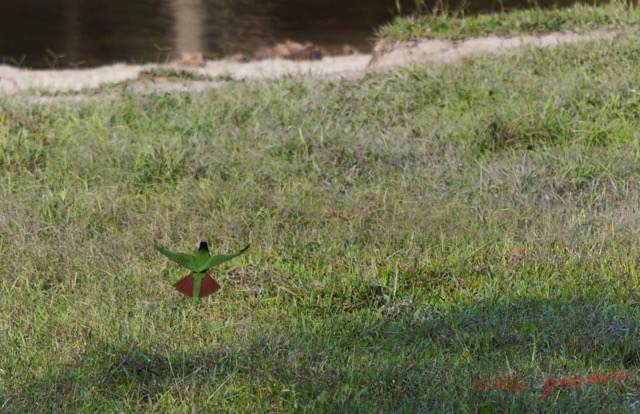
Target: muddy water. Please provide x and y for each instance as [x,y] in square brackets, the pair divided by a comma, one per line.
[70,33]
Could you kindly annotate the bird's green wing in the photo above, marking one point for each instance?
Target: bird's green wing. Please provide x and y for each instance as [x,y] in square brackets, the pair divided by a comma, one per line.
[182,259]
[216,260]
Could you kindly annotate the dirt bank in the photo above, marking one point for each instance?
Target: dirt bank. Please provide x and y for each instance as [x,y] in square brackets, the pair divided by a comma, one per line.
[388,55]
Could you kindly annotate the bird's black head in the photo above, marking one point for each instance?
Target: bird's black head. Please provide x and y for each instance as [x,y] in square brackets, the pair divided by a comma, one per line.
[204,246]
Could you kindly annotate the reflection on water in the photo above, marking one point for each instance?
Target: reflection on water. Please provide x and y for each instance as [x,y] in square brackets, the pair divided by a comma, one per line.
[62,33]
[188,25]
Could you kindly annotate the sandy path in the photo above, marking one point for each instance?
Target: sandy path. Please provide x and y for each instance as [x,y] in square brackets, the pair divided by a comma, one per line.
[388,56]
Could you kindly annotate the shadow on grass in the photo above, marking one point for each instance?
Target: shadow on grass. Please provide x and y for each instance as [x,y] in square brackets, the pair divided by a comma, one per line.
[116,377]
[377,356]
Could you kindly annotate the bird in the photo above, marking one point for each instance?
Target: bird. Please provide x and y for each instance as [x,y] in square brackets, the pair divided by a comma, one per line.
[198,284]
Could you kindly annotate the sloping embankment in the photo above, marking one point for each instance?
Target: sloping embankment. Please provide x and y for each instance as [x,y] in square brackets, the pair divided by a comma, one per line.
[387,55]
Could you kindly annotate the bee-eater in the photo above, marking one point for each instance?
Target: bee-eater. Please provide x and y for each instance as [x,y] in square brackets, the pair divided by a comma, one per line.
[198,284]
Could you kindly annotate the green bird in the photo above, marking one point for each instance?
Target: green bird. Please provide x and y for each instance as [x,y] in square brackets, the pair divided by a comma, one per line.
[198,284]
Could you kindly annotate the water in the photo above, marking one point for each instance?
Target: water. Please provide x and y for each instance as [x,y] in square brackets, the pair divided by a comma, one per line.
[85,33]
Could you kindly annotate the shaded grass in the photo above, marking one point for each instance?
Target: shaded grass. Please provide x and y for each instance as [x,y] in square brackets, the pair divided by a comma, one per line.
[382,214]
[579,18]
[173,74]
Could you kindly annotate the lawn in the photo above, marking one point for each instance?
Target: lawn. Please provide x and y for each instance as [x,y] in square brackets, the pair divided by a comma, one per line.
[455,24]
[415,235]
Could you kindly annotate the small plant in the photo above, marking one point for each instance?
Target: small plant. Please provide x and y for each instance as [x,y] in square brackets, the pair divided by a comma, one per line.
[198,284]
[54,58]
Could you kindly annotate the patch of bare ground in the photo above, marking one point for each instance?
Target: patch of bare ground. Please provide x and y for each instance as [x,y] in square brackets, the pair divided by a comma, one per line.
[387,55]
[390,55]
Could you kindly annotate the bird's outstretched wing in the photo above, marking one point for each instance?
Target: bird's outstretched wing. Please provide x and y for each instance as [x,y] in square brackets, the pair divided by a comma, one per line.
[182,259]
[216,260]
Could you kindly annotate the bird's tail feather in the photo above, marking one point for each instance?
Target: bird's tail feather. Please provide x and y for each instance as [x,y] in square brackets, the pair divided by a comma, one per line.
[207,287]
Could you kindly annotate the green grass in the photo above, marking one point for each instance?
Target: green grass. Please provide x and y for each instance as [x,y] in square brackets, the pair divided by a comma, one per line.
[578,18]
[381,214]
[174,74]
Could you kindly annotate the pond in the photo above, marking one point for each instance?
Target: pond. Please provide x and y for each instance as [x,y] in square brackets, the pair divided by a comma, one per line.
[85,33]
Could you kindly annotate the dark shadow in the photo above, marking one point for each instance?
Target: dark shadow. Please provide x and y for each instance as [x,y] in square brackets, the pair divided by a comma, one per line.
[366,352]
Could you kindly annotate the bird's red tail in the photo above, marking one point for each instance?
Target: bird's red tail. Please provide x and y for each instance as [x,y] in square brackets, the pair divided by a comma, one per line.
[185,285]
[207,287]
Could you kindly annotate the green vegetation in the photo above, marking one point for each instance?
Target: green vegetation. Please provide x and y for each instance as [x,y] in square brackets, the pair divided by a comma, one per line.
[383,215]
[455,25]
[172,73]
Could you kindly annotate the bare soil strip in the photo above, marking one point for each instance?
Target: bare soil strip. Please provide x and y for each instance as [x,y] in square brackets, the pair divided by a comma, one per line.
[387,56]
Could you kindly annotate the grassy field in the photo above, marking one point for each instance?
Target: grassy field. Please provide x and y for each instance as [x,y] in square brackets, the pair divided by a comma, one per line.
[413,234]
[453,24]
